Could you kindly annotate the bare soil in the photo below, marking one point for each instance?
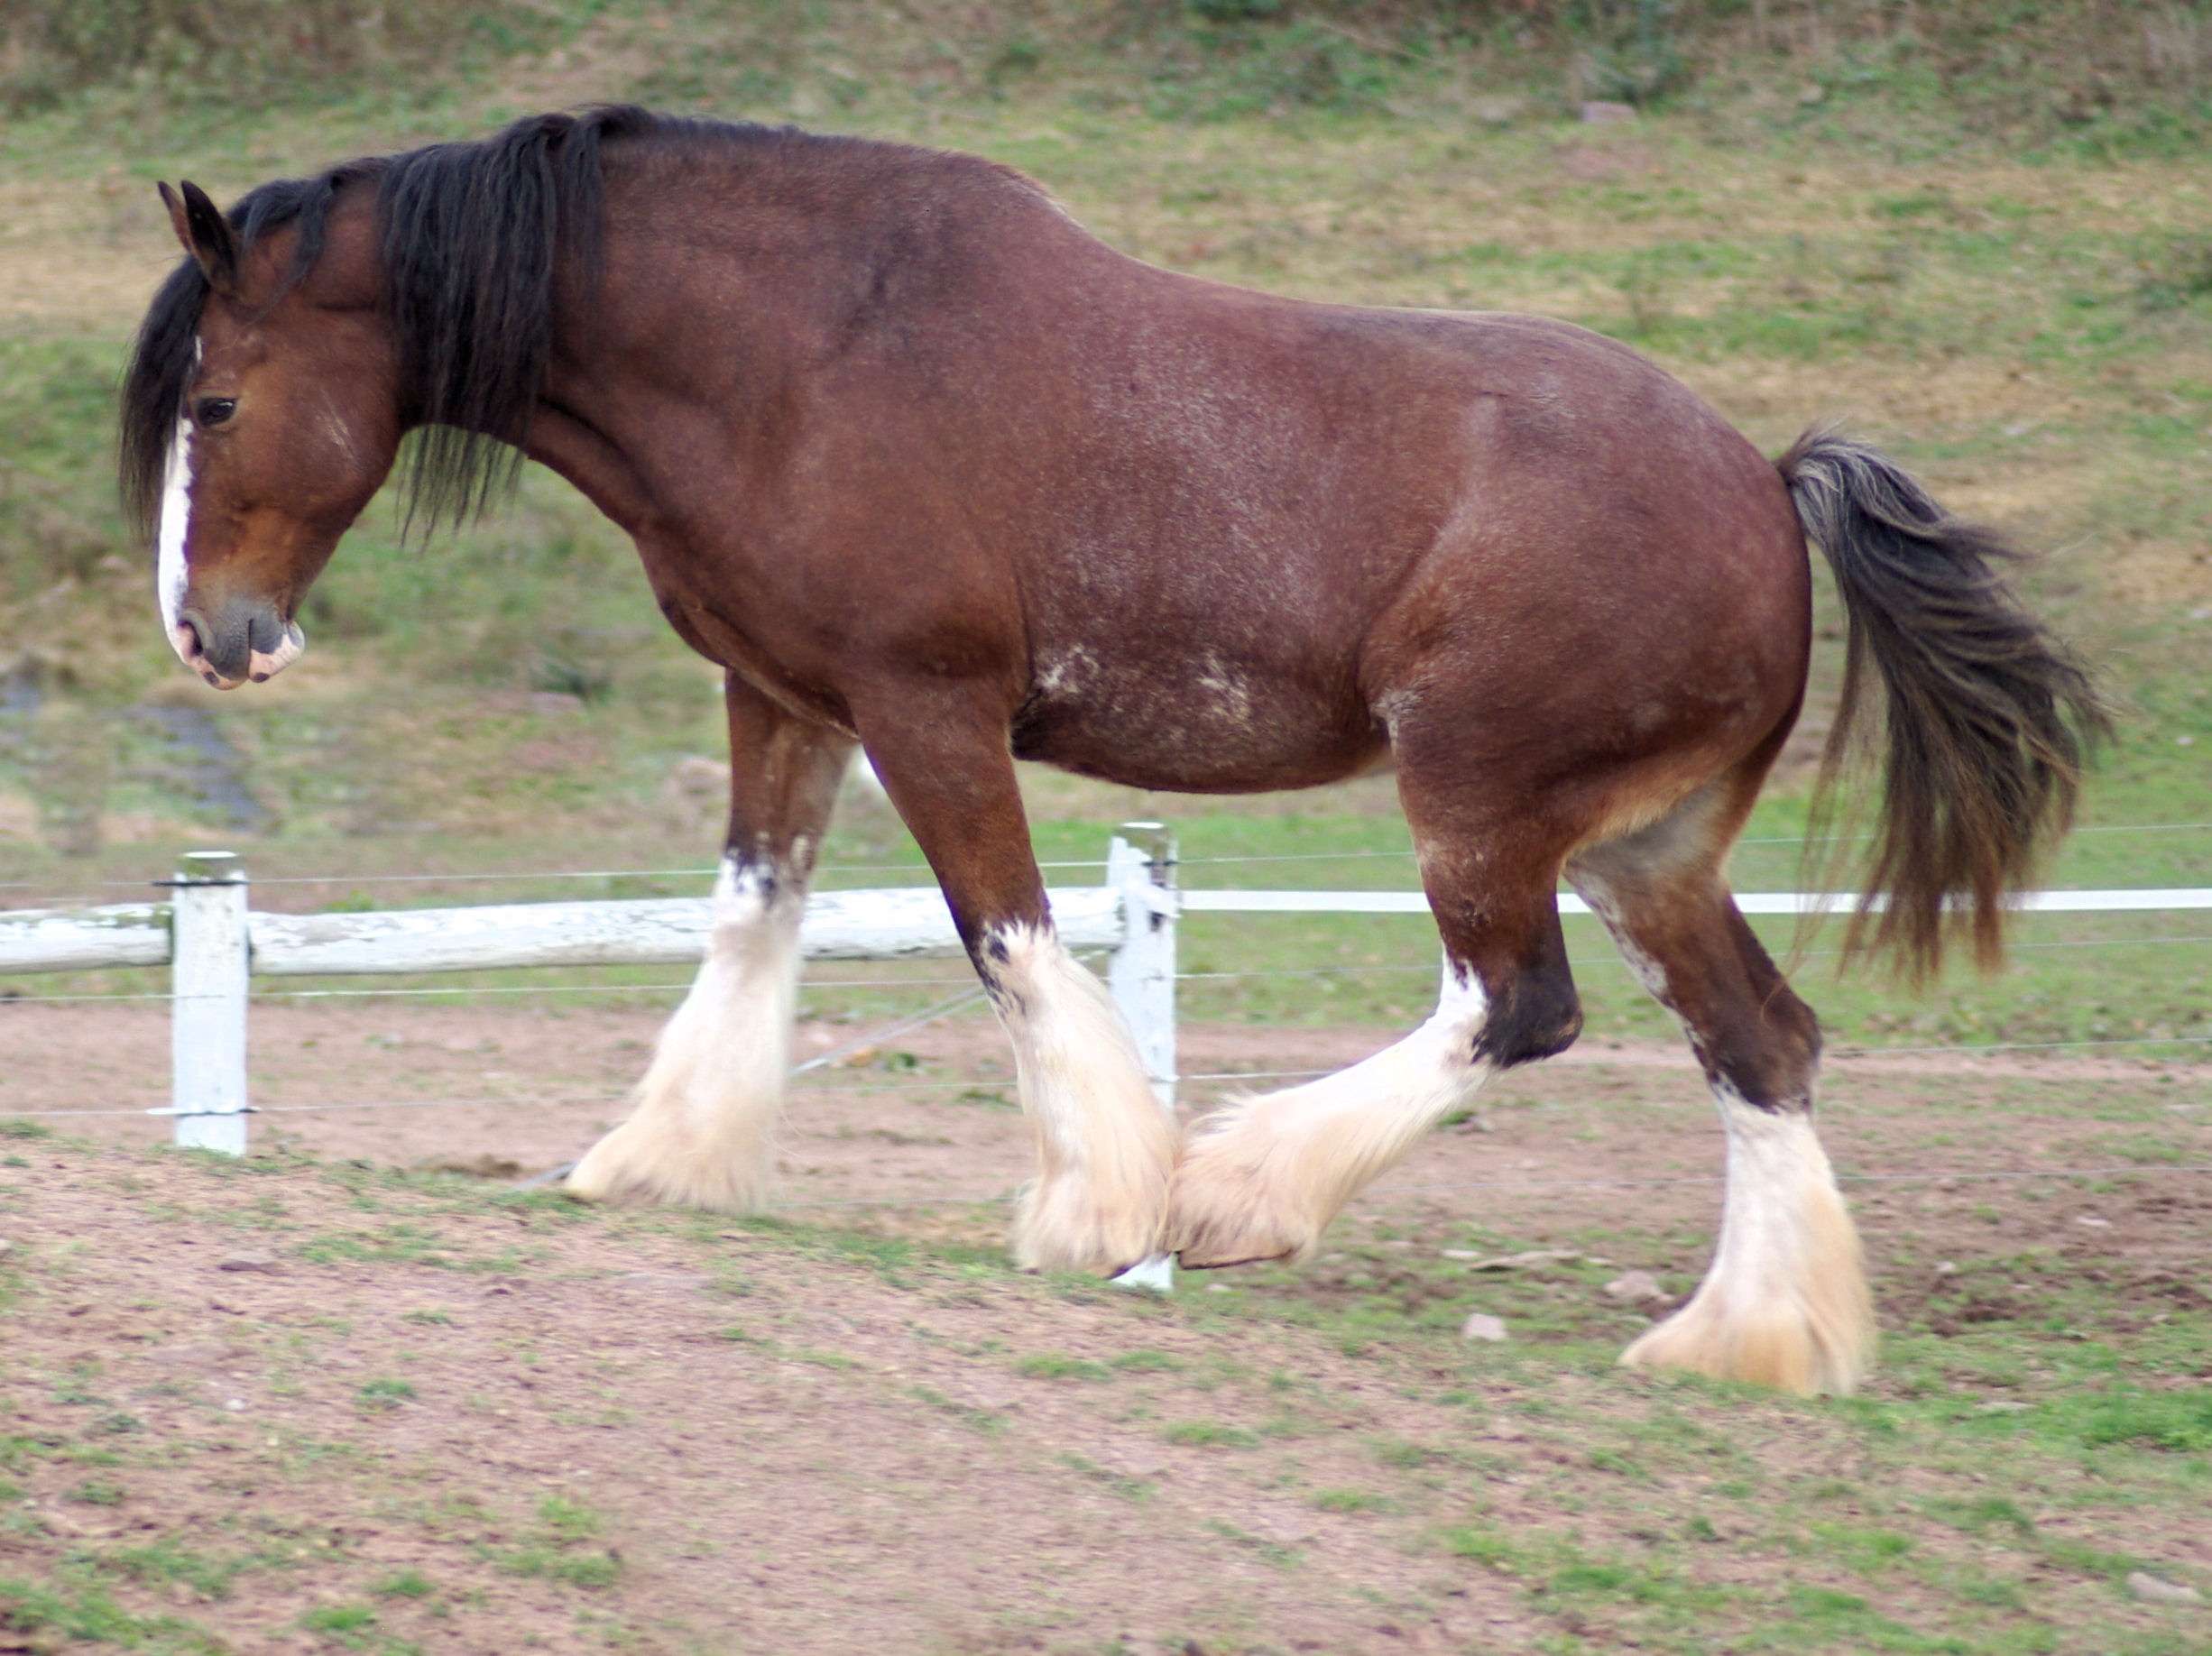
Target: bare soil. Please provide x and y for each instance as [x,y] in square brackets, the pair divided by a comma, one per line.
[930,1115]
[928,1118]
[759,1440]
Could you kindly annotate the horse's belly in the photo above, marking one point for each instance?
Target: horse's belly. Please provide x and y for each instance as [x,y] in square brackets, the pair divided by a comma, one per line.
[1210,729]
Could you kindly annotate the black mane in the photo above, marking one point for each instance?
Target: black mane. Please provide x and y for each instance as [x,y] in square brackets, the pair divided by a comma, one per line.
[469,235]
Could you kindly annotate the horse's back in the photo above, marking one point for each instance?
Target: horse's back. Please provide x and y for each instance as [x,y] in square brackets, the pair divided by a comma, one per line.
[1330,497]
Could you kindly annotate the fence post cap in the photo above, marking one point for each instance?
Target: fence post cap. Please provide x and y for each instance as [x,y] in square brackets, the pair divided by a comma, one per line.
[1155,841]
[209,868]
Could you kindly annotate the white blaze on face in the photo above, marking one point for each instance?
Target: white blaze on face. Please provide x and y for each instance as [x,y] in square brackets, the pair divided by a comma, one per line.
[169,576]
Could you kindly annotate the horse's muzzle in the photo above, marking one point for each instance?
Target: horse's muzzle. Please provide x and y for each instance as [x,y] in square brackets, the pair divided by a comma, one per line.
[242,642]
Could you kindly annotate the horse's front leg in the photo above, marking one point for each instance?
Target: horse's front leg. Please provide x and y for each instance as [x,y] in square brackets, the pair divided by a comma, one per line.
[1105,1150]
[701,1131]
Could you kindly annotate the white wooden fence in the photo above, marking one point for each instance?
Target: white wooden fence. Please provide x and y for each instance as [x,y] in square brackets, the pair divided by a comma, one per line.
[214,944]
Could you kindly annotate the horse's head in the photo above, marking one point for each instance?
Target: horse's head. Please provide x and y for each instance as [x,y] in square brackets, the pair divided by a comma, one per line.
[315,326]
[260,416]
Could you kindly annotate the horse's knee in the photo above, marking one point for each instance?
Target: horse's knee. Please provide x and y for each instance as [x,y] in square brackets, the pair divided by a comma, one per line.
[1532,1013]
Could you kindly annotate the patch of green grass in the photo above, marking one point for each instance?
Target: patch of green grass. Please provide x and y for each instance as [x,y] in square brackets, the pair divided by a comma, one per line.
[1615,1461]
[1351,1501]
[729,1282]
[567,1519]
[1824,1618]
[988,1421]
[1860,1549]
[1488,1547]
[384,1392]
[1058,1365]
[404,1242]
[1144,1361]
[587,1567]
[73,1608]
[1211,1434]
[1980,1512]
[558,1550]
[1275,1553]
[1403,1455]
[174,1559]
[404,1584]
[1138,1490]
[1639,1583]
[2176,1421]
[340,1621]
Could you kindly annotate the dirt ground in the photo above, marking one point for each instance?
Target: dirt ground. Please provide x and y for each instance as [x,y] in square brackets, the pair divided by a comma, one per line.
[392,1420]
[928,1116]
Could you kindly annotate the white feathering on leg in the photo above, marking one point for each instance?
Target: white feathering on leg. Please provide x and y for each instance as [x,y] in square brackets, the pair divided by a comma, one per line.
[1785,1303]
[702,1132]
[1262,1178]
[1104,1147]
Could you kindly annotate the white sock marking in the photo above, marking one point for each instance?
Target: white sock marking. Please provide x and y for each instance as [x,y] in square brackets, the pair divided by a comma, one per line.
[1361,1120]
[1777,1175]
[1785,1303]
[1268,1174]
[1105,1146]
[702,1133]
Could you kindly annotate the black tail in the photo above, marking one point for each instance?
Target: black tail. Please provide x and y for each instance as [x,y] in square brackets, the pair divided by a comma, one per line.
[1988,718]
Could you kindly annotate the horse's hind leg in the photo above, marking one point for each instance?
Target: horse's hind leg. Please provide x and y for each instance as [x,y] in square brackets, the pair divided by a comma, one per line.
[1261,1179]
[701,1132]
[1785,1303]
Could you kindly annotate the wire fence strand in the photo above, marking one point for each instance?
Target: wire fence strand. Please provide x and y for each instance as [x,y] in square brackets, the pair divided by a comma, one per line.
[913,867]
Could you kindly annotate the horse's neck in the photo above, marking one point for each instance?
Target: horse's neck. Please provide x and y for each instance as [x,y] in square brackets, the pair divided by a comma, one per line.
[773,270]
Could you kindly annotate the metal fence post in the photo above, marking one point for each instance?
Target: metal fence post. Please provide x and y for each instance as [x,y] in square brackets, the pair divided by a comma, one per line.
[207,978]
[1140,864]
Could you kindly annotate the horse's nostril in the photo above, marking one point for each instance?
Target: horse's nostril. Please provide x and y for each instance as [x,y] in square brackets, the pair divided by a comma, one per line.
[195,628]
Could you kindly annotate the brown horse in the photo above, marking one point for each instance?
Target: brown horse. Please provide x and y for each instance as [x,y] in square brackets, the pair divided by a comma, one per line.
[927,467]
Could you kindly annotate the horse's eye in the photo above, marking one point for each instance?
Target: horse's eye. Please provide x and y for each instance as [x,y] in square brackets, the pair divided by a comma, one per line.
[215,411]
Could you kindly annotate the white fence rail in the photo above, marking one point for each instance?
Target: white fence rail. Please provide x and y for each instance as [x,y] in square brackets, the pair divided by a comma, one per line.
[214,943]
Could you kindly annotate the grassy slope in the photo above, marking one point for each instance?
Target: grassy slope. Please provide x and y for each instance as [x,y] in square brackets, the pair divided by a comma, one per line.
[1296,1446]
[2010,286]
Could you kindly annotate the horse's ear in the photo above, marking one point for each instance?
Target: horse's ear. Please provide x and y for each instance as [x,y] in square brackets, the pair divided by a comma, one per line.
[204,235]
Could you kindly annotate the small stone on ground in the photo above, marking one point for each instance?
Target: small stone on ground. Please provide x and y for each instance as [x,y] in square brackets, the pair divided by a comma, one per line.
[1511,1261]
[2150,1590]
[1481,1325]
